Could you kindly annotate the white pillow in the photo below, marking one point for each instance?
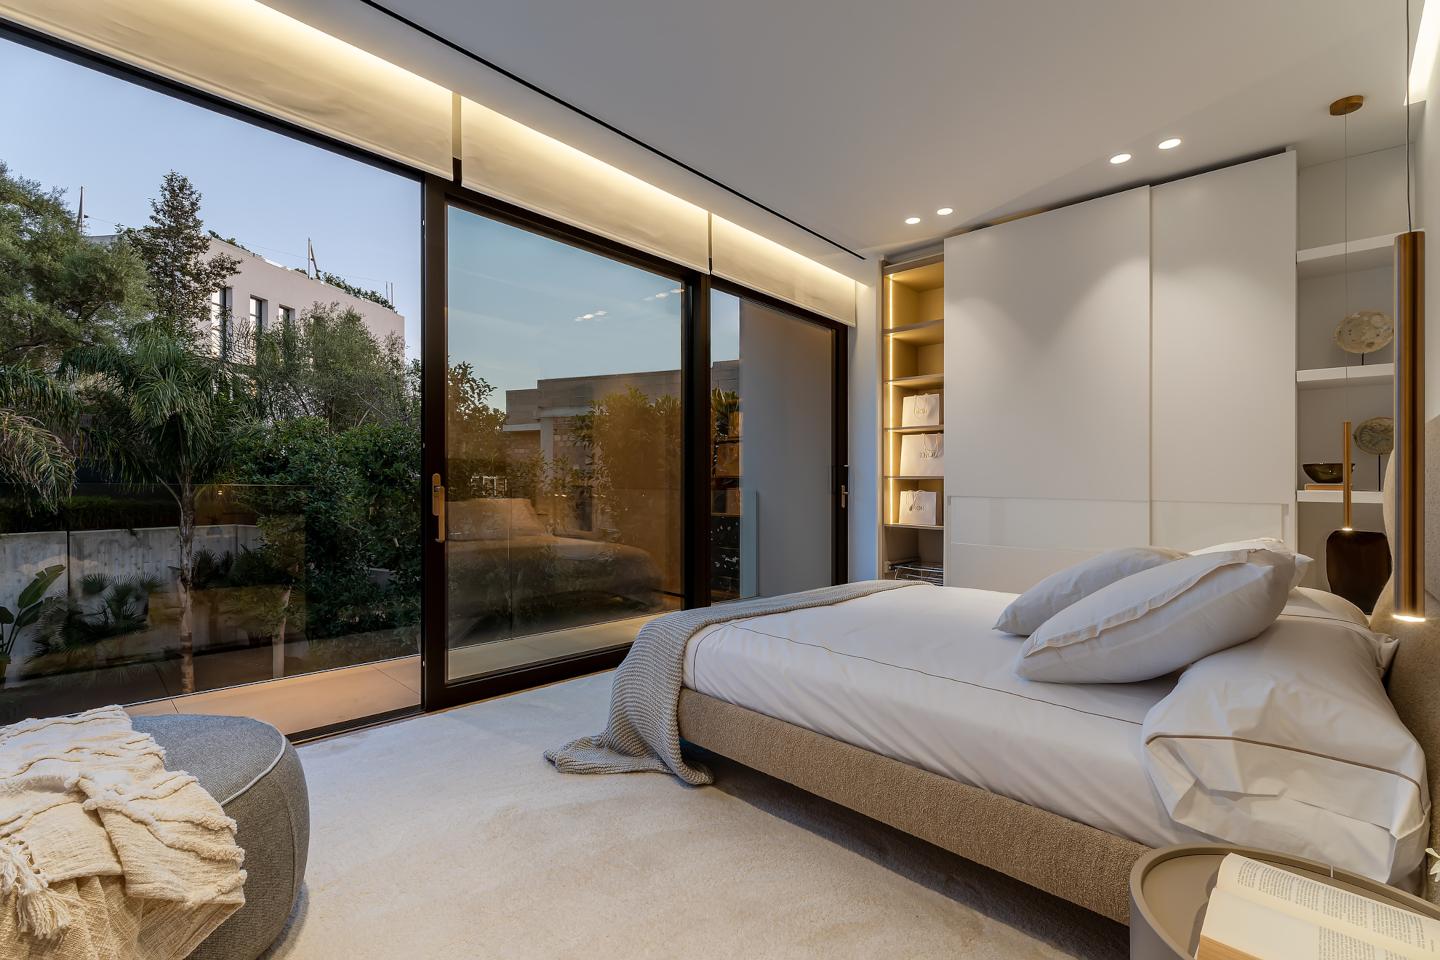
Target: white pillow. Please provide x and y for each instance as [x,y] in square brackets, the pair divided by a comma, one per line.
[1302,562]
[1290,743]
[1059,590]
[1160,619]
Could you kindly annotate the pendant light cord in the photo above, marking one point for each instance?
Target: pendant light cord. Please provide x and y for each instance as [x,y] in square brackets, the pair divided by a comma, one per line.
[1409,213]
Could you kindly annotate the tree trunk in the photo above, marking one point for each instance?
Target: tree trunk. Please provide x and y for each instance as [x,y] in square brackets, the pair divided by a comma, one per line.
[187,580]
[277,652]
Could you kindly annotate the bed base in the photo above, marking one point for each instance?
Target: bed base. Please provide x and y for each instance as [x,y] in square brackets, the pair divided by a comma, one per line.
[1071,860]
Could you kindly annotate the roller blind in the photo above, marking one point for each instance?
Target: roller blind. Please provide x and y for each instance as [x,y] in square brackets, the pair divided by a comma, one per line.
[252,55]
[762,264]
[507,159]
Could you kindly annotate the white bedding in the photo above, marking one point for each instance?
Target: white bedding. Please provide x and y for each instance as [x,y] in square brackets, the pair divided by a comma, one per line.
[919,675]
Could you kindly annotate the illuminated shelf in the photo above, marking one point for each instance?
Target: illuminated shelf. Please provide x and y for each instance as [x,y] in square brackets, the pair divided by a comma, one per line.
[914,526]
[919,382]
[920,334]
[936,429]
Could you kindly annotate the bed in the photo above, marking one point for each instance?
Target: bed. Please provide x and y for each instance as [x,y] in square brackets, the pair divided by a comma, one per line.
[811,698]
[502,558]
[808,698]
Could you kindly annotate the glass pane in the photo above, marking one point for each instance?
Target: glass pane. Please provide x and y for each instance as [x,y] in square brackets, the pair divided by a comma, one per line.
[563,439]
[771,398]
[261,522]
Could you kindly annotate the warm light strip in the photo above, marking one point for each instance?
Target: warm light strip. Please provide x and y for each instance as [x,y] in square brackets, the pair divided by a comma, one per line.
[1427,42]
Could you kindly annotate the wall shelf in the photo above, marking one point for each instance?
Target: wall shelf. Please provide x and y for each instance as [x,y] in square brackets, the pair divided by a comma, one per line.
[1364,254]
[920,334]
[912,361]
[939,429]
[1330,378]
[1334,496]
[920,382]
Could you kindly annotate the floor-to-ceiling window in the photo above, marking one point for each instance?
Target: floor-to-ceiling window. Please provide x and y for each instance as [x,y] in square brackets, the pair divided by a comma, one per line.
[199,497]
[563,436]
[775,467]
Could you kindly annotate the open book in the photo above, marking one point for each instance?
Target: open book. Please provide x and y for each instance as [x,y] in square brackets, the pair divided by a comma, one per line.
[1260,912]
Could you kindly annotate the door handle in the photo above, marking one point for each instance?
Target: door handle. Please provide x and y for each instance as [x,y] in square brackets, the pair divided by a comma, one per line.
[844,496]
[437,506]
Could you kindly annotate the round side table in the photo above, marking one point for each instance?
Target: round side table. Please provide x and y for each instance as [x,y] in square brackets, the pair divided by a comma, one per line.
[1169,889]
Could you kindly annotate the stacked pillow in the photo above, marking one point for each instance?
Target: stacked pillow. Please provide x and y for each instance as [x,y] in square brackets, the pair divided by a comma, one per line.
[1142,612]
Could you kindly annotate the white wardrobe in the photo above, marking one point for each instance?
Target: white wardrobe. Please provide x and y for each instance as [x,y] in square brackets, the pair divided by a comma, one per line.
[1120,372]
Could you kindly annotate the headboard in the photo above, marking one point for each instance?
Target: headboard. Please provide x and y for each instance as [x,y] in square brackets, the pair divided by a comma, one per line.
[1415,675]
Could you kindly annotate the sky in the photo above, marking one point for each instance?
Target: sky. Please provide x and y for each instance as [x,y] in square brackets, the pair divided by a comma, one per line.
[67,126]
[518,300]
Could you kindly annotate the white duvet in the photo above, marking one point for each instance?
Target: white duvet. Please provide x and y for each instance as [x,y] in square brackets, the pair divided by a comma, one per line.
[920,676]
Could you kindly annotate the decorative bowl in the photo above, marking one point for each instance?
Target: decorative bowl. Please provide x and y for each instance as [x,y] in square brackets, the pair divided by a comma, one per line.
[1324,472]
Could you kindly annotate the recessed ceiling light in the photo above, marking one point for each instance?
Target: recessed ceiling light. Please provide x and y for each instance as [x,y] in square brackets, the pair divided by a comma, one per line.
[1169,144]
[588,316]
[662,295]
[1120,158]
[912,220]
[944,211]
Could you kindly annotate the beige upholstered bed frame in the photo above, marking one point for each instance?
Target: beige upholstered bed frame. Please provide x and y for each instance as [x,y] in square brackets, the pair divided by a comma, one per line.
[1071,860]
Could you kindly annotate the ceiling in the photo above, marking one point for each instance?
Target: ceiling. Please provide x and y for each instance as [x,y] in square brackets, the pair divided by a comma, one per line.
[850,115]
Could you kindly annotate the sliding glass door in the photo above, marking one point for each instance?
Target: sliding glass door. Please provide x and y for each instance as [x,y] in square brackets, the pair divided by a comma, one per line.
[562,506]
[777,459]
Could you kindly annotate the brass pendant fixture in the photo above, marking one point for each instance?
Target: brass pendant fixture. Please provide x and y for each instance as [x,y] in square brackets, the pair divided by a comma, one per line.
[1408,536]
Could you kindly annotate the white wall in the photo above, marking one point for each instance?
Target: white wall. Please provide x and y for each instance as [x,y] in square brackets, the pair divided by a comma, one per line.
[1425,160]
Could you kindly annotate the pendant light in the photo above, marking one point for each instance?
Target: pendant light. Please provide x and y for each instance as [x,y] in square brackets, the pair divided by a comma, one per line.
[1407,539]
[1357,562]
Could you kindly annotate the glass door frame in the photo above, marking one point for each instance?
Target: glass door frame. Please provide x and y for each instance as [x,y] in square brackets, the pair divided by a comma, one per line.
[438,691]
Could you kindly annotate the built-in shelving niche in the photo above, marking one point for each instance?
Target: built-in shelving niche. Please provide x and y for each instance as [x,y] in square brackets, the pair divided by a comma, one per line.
[912,363]
[1333,280]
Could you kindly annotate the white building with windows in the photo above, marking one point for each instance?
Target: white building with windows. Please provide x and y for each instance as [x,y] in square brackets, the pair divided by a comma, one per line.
[262,294]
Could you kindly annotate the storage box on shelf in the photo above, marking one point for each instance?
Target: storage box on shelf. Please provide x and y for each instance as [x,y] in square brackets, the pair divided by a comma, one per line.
[913,368]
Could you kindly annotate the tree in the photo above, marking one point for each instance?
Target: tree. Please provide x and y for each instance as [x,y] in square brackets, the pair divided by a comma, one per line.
[58,290]
[175,249]
[168,413]
[311,368]
[169,416]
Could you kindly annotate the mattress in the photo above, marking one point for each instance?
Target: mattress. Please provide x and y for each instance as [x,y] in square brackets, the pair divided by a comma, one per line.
[920,676]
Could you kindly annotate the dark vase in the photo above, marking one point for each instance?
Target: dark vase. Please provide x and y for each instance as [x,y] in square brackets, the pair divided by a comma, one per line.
[1357,563]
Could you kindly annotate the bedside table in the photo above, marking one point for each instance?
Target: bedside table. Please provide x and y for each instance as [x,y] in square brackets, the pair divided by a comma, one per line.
[1169,889]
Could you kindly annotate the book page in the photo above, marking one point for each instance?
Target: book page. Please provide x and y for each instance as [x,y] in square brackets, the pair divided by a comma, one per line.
[1237,928]
[1349,913]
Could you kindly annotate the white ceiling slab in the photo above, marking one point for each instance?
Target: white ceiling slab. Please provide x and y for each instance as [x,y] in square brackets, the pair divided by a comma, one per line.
[849,115]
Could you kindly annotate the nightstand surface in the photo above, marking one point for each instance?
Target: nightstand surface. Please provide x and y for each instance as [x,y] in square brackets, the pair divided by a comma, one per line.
[1169,889]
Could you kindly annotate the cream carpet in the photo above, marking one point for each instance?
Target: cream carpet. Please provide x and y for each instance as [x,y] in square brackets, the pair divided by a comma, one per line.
[450,836]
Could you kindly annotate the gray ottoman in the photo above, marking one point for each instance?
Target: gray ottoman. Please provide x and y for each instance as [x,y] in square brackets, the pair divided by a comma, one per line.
[255,773]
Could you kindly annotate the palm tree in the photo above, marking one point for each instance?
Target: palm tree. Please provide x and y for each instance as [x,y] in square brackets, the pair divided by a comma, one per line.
[36,412]
[168,415]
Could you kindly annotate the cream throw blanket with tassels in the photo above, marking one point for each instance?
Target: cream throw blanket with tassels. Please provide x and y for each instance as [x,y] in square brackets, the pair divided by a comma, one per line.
[103,852]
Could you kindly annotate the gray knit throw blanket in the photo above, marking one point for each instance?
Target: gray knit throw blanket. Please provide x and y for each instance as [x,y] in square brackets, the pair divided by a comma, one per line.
[644,732]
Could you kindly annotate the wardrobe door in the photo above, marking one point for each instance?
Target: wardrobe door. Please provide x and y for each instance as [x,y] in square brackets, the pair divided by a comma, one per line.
[1223,355]
[1047,391]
